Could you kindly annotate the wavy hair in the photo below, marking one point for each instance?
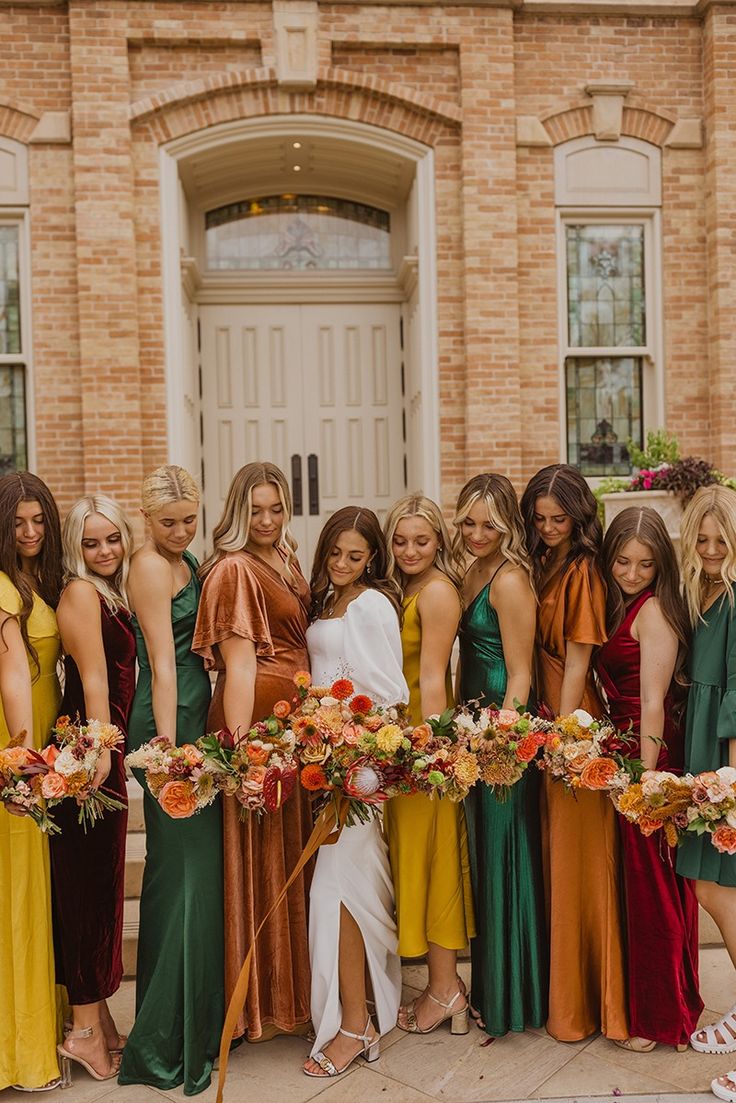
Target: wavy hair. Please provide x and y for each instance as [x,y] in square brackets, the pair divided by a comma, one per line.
[645,525]
[231,532]
[570,490]
[376,575]
[17,487]
[718,502]
[112,591]
[416,505]
[168,483]
[499,497]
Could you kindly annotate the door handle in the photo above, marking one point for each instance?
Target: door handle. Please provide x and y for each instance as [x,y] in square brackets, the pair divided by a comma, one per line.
[313,478]
[296,484]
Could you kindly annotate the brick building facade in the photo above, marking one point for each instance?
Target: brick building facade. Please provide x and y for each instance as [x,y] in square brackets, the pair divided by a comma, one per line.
[542,192]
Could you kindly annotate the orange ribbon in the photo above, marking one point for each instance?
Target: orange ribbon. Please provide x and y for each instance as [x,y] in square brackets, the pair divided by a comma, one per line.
[326,831]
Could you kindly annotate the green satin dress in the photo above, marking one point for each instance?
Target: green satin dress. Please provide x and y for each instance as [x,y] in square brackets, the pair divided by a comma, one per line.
[180,971]
[710,725]
[509,957]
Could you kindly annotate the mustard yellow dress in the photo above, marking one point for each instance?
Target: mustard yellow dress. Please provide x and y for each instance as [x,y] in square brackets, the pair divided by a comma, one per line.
[30,1003]
[427,840]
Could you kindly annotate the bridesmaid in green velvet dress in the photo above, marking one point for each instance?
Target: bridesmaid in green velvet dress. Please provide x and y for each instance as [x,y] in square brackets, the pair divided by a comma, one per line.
[509,952]
[180,971]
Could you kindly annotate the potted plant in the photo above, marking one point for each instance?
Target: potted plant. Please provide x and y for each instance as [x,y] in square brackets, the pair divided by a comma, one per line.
[664,480]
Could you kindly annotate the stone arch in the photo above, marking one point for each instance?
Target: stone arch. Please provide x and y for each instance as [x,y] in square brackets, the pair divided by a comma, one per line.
[17,120]
[640,120]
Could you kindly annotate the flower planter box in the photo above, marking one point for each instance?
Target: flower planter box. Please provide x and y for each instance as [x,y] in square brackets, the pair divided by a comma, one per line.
[666,503]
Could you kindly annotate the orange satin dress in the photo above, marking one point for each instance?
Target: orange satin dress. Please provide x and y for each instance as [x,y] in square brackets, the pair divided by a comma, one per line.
[580,841]
[243,596]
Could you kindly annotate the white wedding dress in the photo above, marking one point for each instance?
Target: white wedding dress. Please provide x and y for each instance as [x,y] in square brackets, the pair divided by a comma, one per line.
[365,646]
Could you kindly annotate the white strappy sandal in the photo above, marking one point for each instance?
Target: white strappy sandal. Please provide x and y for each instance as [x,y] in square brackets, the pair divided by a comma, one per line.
[370,1051]
[726,1027]
[722,1090]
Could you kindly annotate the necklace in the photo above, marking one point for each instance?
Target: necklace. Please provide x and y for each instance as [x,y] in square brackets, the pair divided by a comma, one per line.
[712,581]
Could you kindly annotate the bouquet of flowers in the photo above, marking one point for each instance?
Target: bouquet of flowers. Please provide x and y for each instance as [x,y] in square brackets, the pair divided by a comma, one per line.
[443,765]
[584,753]
[36,781]
[659,801]
[713,807]
[181,779]
[504,742]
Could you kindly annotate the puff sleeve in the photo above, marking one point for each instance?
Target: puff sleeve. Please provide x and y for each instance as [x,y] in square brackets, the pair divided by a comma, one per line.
[726,725]
[585,605]
[372,648]
[232,603]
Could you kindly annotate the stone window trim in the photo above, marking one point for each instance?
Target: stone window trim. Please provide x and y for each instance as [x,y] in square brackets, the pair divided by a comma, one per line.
[15,212]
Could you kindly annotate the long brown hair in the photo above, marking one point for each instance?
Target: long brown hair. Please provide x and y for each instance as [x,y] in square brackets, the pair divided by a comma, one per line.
[645,524]
[568,487]
[375,576]
[17,487]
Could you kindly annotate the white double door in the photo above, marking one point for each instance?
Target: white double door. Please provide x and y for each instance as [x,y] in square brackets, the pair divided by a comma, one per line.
[315,389]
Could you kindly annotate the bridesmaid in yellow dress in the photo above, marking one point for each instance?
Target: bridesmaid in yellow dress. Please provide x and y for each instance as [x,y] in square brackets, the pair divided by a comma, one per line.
[428,841]
[30,584]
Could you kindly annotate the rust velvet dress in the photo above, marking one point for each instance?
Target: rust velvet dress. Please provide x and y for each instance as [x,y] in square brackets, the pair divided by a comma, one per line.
[580,842]
[243,596]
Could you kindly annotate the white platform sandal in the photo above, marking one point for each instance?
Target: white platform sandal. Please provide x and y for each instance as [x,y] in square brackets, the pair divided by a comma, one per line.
[726,1027]
[722,1091]
[370,1050]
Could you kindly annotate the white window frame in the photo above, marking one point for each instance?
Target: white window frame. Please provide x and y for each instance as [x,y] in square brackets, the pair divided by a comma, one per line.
[19,216]
[652,352]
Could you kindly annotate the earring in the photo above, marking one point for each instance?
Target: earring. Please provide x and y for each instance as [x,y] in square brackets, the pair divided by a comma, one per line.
[369,569]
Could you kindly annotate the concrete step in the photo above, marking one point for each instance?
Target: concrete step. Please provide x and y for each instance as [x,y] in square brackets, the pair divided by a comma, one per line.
[135,858]
[135,806]
[131,918]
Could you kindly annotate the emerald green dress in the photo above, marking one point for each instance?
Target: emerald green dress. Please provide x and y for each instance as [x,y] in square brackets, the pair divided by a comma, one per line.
[710,724]
[180,972]
[509,980]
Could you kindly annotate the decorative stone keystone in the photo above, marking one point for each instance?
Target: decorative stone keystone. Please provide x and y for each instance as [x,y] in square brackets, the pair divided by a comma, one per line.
[295,31]
[53,128]
[530,132]
[686,134]
[608,108]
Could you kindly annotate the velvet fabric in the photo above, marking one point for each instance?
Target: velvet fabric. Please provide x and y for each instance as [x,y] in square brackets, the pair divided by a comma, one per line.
[243,596]
[580,838]
[661,908]
[88,870]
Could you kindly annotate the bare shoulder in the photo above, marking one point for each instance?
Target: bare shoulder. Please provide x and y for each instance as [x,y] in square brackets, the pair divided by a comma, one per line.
[79,597]
[148,568]
[651,618]
[512,584]
[439,597]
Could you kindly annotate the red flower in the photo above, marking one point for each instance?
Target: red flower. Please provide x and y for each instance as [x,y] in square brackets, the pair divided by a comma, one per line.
[361,704]
[342,689]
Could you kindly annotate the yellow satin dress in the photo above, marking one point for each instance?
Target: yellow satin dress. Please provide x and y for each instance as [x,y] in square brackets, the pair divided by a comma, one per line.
[427,840]
[30,1003]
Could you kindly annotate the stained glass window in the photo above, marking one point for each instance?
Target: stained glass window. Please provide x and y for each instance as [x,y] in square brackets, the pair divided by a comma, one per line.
[13,449]
[605,286]
[9,291]
[297,232]
[604,411]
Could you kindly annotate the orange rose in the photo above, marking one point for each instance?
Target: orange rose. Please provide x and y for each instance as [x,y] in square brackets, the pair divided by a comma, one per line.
[253,780]
[598,773]
[50,754]
[258,756]
[577,765]
[342,689]
[648,824]
[281,710]
[421,736]
[192,754]
[53,786]
[178,800]
[527,747]
[724,839]
[14,758]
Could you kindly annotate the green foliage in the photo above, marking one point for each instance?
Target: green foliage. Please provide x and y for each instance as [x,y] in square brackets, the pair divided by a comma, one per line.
[661,447]
[611,485]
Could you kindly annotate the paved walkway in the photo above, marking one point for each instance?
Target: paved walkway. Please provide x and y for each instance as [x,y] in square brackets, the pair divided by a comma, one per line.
[450,1069]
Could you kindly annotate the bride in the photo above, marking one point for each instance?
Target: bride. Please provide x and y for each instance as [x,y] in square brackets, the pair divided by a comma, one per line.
[354,633]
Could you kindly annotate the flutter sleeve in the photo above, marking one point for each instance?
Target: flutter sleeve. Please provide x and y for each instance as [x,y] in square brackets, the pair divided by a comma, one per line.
[726,725]
[232,603]
[372,644]
[10,599]
[585,605]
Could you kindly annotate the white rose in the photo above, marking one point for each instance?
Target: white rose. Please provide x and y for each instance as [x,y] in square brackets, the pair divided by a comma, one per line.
[727,774]
[66,763]
[583,718]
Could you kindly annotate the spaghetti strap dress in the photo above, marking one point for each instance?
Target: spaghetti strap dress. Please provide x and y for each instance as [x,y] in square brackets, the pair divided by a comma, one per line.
[509,952]
[427,839]
[661,908]
[581,851]
[179,982]
[365,646]
[30,1004]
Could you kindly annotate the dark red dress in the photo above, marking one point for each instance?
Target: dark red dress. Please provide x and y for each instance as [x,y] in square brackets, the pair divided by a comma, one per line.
[88,871]
[661,909]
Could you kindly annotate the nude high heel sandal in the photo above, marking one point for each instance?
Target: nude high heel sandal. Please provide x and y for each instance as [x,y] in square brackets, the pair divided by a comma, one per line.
[370,1050]
[458,1019]
[66,1057]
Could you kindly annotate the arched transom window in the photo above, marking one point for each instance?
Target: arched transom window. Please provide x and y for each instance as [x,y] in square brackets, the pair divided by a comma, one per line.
[298,232]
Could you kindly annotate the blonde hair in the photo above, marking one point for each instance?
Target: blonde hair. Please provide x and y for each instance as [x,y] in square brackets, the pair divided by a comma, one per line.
[416,505]
[233,529]
[719,502]
[165,485]
[499,498]
[112,591]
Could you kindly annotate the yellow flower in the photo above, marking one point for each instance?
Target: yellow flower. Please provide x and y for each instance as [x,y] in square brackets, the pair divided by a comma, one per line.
[465,769]
[389,739]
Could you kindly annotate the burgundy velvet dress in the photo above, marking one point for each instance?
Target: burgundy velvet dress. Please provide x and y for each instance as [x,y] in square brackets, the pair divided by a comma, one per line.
[661,909]
[88,871]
